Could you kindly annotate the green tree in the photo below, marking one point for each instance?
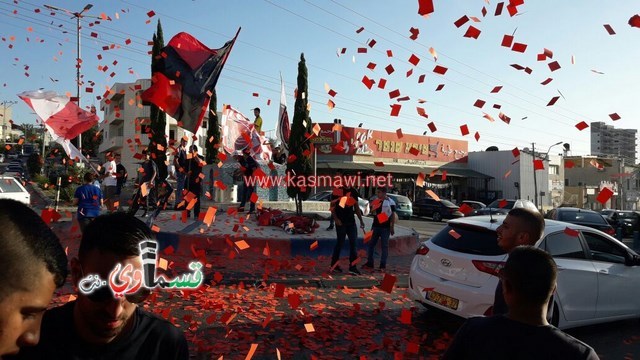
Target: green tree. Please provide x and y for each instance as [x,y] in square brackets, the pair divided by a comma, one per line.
[299,144]
[91,140]
[158,117]
[213,130]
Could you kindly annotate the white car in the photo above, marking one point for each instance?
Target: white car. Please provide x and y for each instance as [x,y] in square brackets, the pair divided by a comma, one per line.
[598,276]
[326,196]
[10,188]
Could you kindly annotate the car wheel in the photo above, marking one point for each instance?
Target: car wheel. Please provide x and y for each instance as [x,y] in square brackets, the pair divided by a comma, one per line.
[437,217]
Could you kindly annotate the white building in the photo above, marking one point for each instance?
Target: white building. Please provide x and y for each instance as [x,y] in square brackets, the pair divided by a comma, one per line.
[606,140]
[126,123]
[513,177]
[5,124]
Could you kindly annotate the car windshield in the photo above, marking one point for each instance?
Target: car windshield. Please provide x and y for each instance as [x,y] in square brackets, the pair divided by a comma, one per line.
[399,199]
[448,203]
[9,185]
[317,196]
[581,216]
[468,240]
[496,204]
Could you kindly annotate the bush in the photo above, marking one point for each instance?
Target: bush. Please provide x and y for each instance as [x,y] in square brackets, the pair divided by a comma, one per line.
[34,164]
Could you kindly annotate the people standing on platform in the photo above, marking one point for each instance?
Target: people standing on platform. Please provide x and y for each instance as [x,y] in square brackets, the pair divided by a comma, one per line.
[180,166]
[247,166]
[344,207]
[258,121]
[194,181]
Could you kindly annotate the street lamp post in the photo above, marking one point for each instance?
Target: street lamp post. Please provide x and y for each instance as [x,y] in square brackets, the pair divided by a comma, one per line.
[77,16]
[535,176]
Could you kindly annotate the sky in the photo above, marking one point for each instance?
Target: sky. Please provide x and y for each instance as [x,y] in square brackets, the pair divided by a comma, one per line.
[602,80]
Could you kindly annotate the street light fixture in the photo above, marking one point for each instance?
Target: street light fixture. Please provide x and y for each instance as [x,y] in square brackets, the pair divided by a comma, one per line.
[535,176]
[77,16]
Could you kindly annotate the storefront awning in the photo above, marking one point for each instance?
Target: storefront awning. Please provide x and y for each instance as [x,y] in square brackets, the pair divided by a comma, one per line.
[402,169]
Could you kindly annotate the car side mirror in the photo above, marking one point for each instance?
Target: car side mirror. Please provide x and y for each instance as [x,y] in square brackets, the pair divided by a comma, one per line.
[632,260]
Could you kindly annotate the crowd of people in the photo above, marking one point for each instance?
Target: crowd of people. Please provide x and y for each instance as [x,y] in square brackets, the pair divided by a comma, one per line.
[99,325]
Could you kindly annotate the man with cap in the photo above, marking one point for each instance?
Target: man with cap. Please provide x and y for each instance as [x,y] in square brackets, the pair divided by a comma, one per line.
[258,121]
[279,157]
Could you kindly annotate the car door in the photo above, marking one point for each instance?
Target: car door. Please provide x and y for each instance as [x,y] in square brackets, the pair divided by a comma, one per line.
[577,283]
[618,284]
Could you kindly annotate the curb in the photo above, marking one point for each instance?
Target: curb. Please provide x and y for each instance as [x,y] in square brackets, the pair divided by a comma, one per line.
[187,245]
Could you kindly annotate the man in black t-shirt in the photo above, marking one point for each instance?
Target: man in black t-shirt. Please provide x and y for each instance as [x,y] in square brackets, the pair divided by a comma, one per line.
[247,165]
[520,227]
[99,326]
[528,280]
[344,205]
[194,181]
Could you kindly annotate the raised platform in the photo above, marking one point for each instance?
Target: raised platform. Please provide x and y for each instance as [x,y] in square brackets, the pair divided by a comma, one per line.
[227,231]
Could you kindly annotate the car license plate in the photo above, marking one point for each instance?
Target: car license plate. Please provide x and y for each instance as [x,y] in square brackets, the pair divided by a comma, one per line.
[443,300]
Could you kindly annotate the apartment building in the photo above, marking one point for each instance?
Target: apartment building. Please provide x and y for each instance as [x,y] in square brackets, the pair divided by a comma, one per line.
[606,140]
[126,122]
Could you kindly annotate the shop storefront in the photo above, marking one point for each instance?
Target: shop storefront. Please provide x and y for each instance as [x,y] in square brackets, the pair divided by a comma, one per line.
[366,152]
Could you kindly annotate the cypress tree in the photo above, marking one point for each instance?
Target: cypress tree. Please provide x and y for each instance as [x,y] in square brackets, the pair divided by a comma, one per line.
[158,117]
[299,144]
[213,130]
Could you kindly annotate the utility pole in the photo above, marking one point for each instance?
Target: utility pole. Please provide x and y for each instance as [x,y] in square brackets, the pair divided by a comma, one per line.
[620,192]
[77,16]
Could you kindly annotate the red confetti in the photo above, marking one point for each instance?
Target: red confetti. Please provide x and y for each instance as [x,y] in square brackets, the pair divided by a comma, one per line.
[389,69]
[414,60]
[151,13]
[538,164]
[432,127]
[425,7]
[440,70]
[395,109]
[609,29]
[479,103]
[360,30]
[519,47]
[464,129]
[367,82]
[472,32]
[414,33]
[496,89]
[604,195]
[546,81]
[463,20]
[553,66]
[634,21]
[614,116]
[507,40]
[515,152]
[553,101]
[388,282]
[582,125]
[477,136]
[571,232]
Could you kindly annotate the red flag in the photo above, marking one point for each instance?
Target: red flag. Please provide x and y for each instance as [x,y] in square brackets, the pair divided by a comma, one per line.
[183,78]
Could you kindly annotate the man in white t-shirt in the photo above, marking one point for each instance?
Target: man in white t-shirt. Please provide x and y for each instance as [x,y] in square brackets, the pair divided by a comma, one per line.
[383,227]
[110,181]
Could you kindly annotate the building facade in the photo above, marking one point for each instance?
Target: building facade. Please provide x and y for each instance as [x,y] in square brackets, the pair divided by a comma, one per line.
[5,122]
[606,140]
[512,176]
[126,124]
[586,176]
[367,152]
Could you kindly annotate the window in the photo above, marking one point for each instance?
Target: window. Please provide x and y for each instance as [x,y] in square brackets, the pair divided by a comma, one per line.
[472,240]
[172,135]
[562,245]
[581,216]
[554,169]
[566,182]
[603,249]
[9,186]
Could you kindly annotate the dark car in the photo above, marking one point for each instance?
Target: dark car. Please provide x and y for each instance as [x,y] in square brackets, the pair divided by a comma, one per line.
[503,206]
[436,209]
[583,217]
[627,219]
